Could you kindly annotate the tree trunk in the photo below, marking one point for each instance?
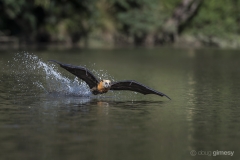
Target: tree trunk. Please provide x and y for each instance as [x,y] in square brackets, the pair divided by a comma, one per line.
[183,12]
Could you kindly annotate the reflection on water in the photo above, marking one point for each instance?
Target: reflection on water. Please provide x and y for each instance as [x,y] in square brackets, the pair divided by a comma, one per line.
[213,104]
[46,113]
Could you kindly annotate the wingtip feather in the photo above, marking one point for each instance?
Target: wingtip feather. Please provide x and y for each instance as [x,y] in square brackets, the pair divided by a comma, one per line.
[168,97]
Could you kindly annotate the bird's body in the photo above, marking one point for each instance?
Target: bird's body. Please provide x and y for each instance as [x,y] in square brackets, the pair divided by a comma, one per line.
[103,86]
[100,88]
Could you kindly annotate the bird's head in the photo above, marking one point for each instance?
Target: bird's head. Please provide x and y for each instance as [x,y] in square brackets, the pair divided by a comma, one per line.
[106,83]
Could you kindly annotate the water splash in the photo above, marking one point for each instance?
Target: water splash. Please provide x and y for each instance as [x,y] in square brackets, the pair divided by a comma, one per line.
[30,71]
[30,75]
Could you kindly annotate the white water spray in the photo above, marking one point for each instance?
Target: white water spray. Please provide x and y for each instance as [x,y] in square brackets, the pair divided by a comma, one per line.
[29,69]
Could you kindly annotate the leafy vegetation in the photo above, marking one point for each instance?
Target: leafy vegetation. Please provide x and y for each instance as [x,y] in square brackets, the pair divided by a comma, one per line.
[79,22]
[215,21]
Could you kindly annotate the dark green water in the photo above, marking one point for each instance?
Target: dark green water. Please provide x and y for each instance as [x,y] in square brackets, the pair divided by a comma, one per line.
[42,116]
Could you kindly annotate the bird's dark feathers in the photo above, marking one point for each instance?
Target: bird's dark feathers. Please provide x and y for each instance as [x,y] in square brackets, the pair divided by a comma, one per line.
[80,72]
[92,81]
[136,87]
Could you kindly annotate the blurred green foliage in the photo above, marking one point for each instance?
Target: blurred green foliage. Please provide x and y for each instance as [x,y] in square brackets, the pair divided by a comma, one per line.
[139,18]
[76,21]
[46,20]
[216,19]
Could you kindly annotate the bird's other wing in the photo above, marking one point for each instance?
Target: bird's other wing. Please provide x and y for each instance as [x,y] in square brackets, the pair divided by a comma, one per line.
[136,87]
[81,72]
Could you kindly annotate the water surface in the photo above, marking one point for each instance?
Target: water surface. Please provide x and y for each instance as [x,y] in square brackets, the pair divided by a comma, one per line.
[47,113]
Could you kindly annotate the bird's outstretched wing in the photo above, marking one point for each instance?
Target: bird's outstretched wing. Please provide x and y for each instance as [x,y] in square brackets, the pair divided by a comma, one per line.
[80,72]
[136,87]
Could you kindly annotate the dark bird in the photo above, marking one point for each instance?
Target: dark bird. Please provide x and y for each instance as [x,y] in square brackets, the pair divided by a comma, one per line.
[102,86]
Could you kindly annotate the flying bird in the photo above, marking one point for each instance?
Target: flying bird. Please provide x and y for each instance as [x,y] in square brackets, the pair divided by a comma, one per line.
[103,86]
